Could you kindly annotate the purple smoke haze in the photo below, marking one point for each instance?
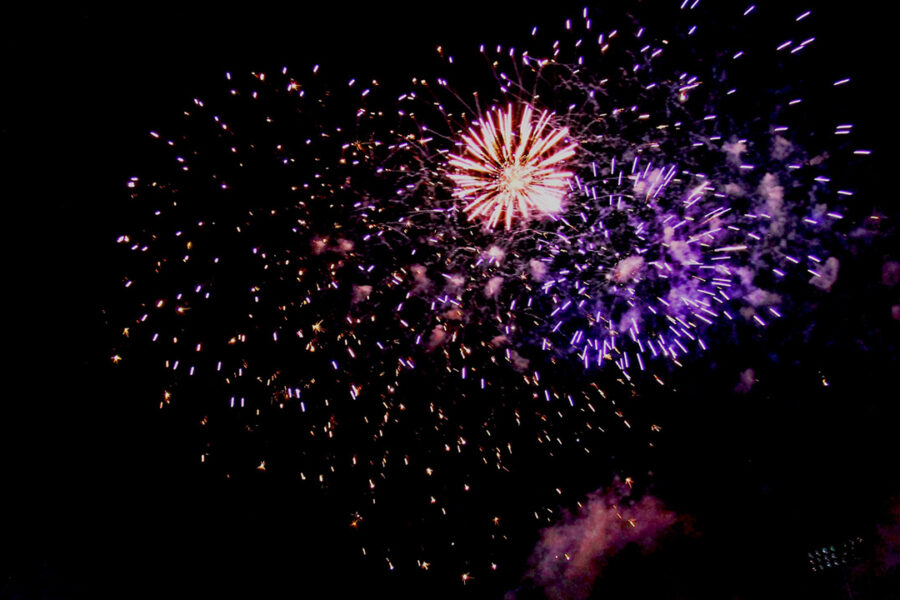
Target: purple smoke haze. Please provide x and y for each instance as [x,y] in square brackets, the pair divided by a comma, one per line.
[572,554]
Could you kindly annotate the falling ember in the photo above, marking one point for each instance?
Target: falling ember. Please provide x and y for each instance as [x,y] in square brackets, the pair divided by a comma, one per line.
[512,167]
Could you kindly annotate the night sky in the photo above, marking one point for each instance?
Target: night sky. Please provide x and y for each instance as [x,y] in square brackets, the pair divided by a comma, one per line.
[104,494]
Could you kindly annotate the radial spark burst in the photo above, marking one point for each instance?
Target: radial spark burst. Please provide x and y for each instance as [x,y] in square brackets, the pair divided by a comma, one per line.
[513,170]
[325,285]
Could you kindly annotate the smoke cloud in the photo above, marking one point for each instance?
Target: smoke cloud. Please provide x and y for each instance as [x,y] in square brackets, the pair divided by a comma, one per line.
[571,555]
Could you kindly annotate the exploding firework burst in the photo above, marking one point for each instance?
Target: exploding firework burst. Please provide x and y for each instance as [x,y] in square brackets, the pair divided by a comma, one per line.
[311,271]
[678,226]
[511,172]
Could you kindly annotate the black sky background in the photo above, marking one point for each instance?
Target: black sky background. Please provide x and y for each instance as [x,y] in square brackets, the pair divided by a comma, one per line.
[97,497]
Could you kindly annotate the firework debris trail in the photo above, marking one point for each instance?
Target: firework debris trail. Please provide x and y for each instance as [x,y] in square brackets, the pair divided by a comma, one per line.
[438,287]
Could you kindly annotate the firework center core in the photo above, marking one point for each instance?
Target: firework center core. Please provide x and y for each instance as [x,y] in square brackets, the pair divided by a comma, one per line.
[516,178]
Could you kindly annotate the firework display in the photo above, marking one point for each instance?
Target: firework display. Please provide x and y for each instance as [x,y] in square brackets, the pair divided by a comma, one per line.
[421,293]
[508,173]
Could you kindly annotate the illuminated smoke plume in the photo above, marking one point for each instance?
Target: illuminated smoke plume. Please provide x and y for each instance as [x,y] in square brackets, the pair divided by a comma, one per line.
[572,554]
[747,381]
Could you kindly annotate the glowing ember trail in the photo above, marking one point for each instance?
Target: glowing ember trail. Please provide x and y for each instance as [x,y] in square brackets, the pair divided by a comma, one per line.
[509,172]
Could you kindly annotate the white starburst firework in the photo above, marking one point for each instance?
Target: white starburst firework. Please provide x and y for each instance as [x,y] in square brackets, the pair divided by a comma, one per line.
[512,168]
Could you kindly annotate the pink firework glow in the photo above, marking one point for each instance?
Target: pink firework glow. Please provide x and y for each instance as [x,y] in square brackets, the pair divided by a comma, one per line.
[512,167]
